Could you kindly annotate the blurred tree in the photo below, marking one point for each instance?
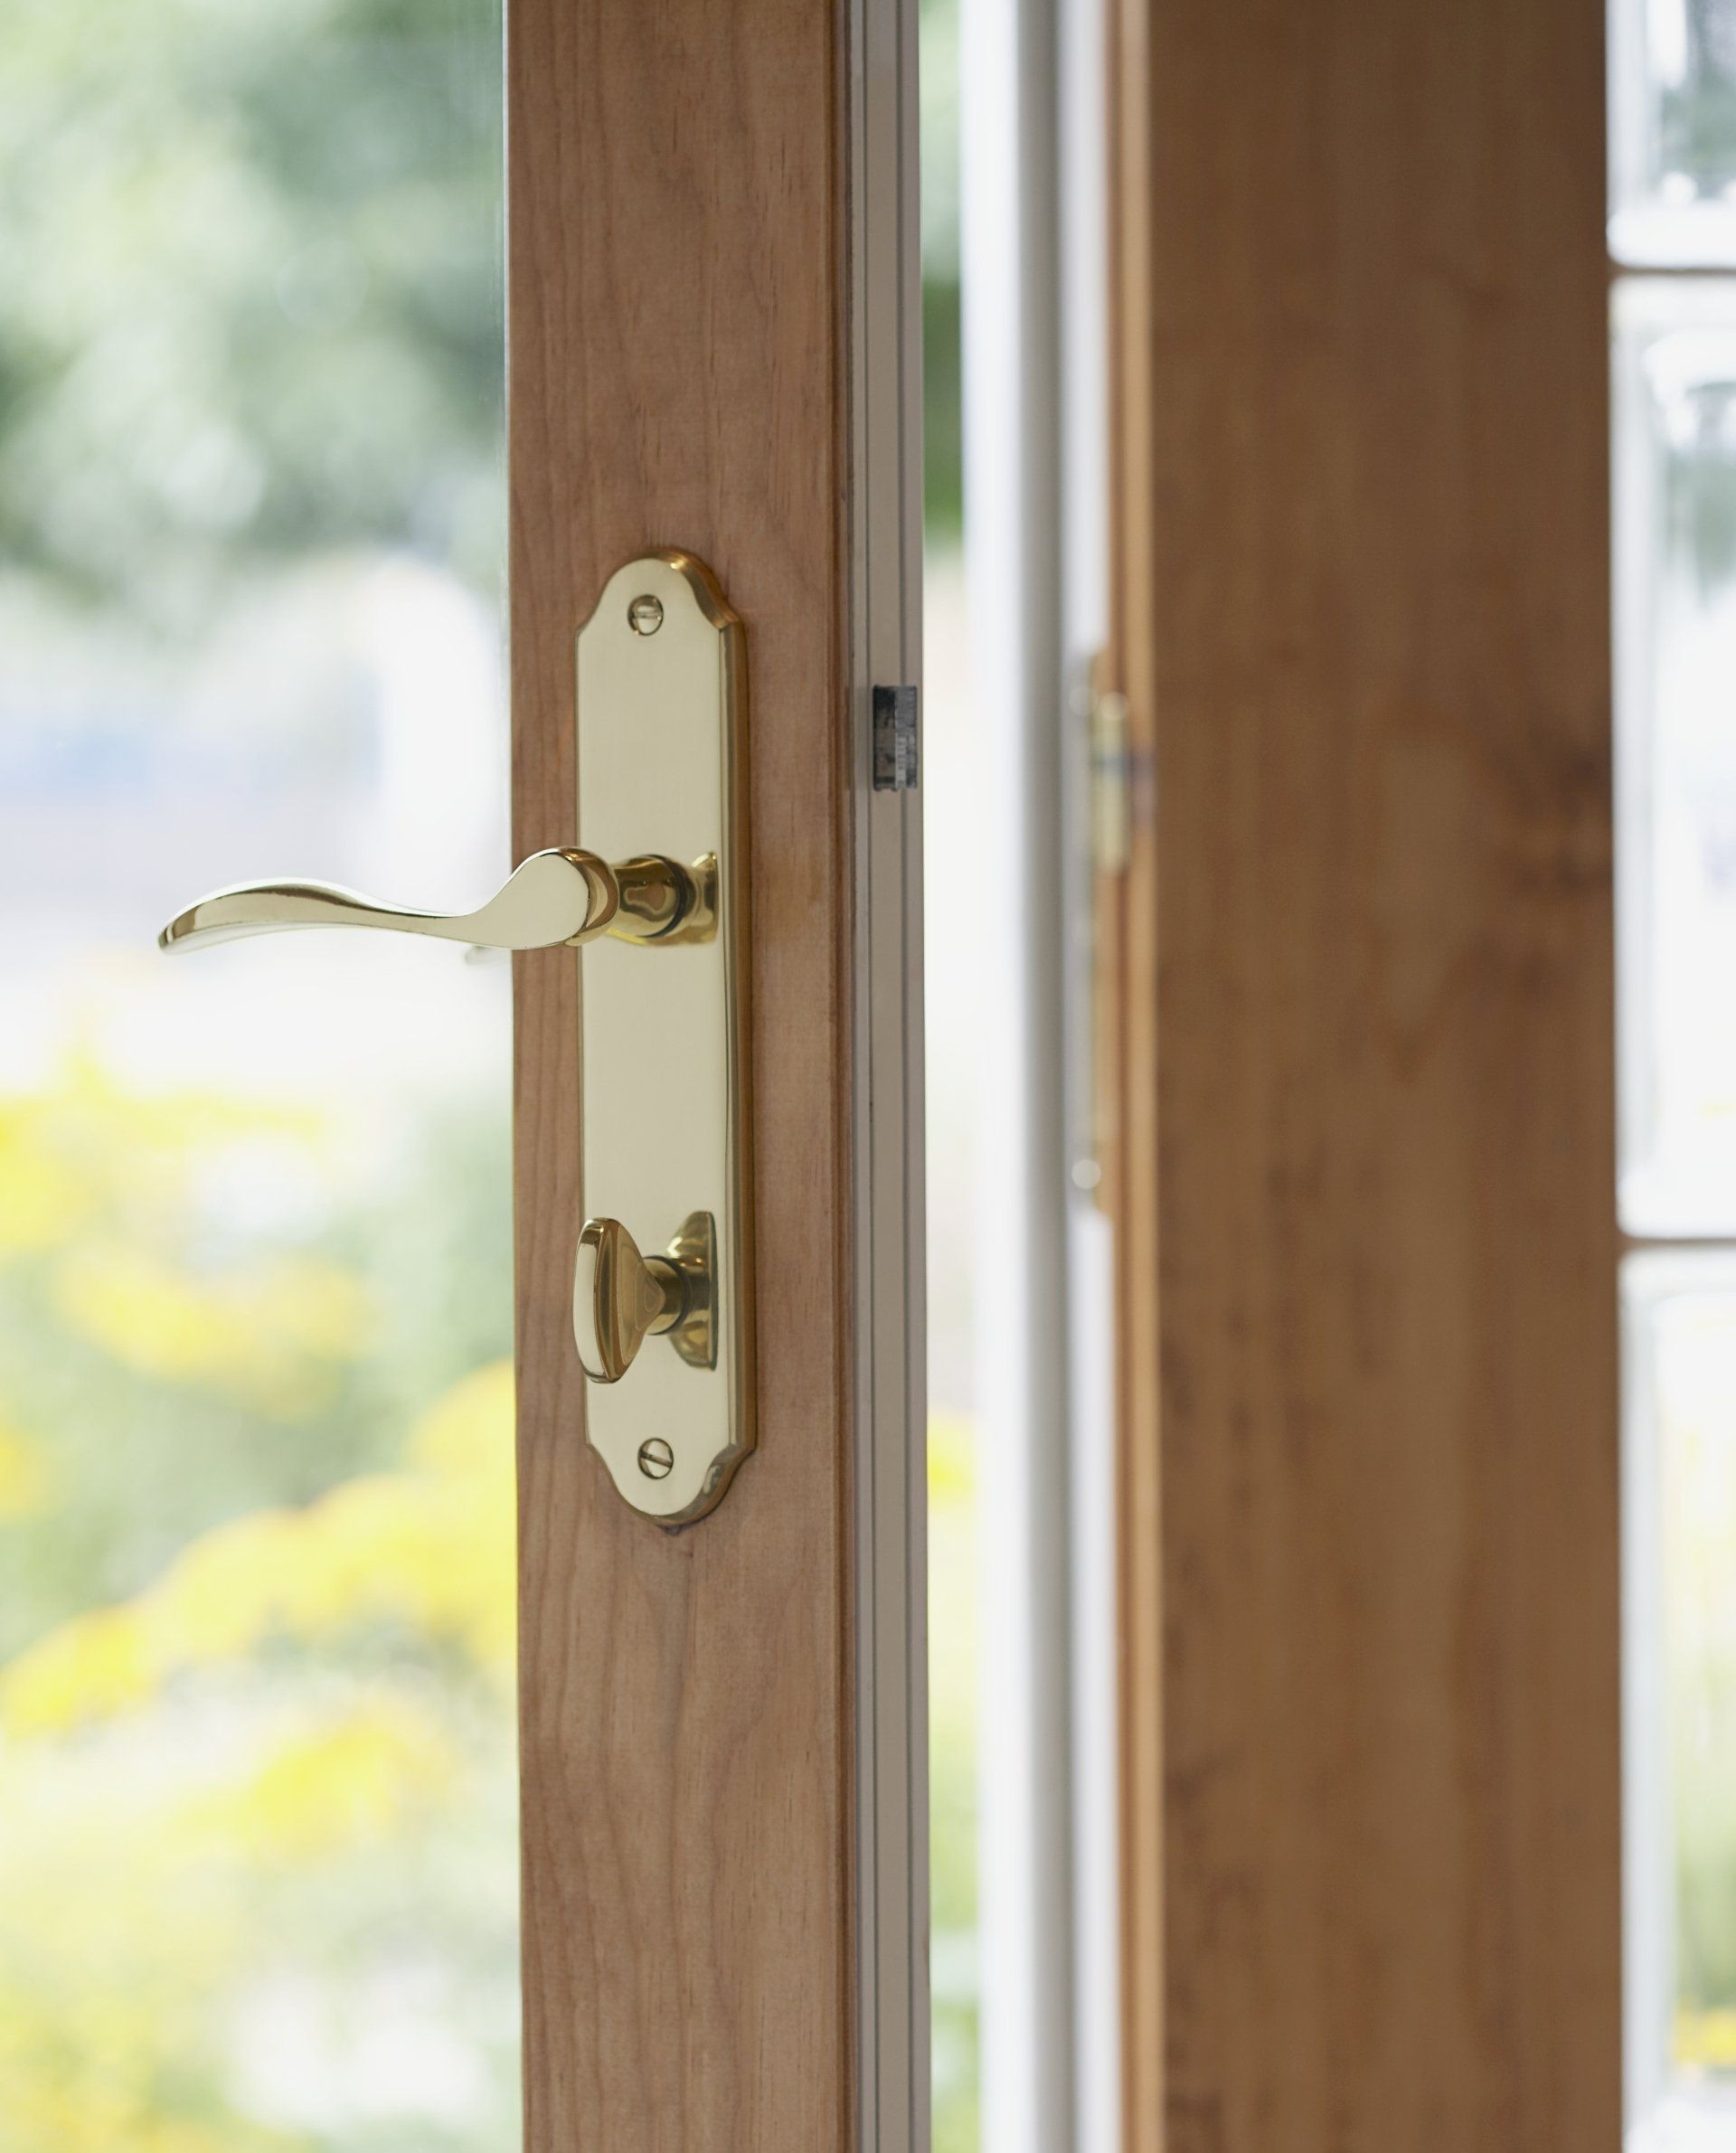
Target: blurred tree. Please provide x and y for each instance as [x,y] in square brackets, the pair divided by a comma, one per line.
[943,447]
[256,1879]
[1698,108]
[164,1366]
[251,267]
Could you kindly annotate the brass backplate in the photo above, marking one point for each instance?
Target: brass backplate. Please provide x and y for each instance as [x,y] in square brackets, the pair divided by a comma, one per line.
[662,717]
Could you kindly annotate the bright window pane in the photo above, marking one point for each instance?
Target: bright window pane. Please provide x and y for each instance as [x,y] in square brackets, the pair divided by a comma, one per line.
[1681,1522]
[1676,754]
[952,786]
[1673,87]
[257,1847]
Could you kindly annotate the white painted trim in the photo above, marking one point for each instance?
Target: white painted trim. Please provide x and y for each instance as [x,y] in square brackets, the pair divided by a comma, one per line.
[884,539]
[1035,542]
[1094,1618]
[1036,526]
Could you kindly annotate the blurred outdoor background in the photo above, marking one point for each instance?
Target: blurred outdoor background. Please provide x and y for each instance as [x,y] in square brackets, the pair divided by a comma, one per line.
[1674,205]
[258,1833]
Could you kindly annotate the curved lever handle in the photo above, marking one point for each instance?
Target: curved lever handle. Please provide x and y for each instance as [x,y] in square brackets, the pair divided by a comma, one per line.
[562,895]
[620,1299]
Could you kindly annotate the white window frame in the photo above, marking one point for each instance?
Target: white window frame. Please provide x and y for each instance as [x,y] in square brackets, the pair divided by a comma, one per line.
[1033,217]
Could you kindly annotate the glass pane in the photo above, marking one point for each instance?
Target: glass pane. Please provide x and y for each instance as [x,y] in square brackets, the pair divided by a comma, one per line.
[951,780]
[1672,86]
[1676,754]
[1681,1703]
[952,786]
[258,1850]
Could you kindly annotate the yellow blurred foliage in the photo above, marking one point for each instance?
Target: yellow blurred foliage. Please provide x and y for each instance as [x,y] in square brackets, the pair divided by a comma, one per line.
[26,1477]
[91,1668]
[104,1957]
[329,1788]
[1705,2040]
[46,1200]
[72,2117]
[430,1547]
[145,1826]
[273,1337]
[952,1460]
[84,1147]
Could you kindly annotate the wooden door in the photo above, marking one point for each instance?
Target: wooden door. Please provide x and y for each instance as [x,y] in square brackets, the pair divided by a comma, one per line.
[1367,1303]
[712,348]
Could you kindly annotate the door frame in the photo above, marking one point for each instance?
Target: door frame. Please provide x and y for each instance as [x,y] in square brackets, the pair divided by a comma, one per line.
[891,1339]
[716,347]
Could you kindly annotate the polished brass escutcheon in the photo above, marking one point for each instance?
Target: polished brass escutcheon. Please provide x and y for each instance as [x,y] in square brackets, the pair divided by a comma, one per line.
[663,1046]
[660,937]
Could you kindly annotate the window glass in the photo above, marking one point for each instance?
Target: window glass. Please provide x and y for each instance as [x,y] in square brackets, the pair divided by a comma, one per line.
[1673,82]
[1676,753]
[257,1840]
[953,779]
[1681,1525]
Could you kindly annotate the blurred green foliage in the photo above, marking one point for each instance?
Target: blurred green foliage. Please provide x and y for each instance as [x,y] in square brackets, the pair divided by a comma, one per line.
[190,1366]
[943,449]
[1697,114]
[943,461]
[251,268]
[1700,486]
[257,1771]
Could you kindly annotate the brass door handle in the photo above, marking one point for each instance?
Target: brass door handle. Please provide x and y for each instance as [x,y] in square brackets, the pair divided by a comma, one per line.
[661,1101]
[561,896]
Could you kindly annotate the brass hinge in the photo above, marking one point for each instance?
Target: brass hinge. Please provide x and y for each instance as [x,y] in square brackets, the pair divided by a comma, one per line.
[1111,809]
[1105,712]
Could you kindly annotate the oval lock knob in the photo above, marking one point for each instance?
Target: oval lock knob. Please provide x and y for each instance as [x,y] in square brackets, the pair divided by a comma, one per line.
[555,897]
[621,1298]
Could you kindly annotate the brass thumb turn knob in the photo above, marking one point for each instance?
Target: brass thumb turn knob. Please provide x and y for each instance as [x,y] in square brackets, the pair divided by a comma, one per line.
[621,1298]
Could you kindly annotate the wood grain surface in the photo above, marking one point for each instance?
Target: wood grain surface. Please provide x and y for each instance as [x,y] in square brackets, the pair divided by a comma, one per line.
[676,380]
[1368,1326]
